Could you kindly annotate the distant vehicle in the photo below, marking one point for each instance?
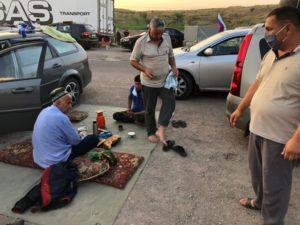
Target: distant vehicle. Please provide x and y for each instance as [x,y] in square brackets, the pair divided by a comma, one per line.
[30,68]
[98,13]
[84,34]
[208,65]
[176,36]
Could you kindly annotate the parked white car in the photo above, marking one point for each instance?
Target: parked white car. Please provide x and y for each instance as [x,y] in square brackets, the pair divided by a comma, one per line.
[252,50]
[208,65]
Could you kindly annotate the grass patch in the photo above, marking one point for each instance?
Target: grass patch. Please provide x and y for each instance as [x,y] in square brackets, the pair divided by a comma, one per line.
[233,17]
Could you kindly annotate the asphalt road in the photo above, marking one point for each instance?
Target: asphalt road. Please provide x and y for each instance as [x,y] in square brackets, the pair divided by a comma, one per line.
[202,189]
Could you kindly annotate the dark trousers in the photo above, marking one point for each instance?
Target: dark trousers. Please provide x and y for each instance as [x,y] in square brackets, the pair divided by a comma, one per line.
[150,96]
[87,144]
[271,177]
[125,117]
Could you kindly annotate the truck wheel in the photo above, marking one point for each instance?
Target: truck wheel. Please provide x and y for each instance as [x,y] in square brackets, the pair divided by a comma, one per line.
[73,87]
[185,86]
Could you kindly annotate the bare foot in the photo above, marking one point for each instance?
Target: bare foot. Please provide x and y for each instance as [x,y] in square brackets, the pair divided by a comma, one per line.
[160,134]
[153,138]
[248,203]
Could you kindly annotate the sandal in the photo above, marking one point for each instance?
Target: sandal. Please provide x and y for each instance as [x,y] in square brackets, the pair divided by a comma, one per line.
[180,150]
[176,148]
[248,204]
[170,144]
[182,123]
[178,124]
[174,124]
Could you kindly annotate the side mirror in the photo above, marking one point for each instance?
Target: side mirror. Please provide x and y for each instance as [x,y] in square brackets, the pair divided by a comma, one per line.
[208,52]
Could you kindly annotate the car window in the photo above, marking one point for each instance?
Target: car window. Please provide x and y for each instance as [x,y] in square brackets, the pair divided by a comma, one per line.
[170,32]
[206,41]
[7,67]
[62,47]
[28,59]
[77,30]
[64,28]
[48,54]
[89,28]
[228,47]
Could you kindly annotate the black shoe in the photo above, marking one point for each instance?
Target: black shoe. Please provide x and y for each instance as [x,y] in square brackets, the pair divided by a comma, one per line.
[178,124]
[180,150]
[170,144]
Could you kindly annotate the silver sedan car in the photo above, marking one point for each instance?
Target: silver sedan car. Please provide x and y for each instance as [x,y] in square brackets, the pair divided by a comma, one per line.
[209,64]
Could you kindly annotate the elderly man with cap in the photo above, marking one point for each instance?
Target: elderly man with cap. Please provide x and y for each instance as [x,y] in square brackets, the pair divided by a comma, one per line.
[54,138]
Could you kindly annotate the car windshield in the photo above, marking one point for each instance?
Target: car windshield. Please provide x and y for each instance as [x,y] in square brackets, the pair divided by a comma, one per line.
[206,41]
[89,28]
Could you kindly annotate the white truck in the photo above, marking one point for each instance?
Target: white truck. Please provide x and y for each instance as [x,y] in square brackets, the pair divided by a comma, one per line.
[98,13]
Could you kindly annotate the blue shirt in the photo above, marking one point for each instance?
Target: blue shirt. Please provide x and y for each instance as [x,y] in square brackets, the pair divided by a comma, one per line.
[137,100]
[53,137]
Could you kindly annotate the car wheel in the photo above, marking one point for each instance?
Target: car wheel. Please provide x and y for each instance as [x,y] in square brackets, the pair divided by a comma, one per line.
[185,86]
[73,87]
[87,47]
[132,46]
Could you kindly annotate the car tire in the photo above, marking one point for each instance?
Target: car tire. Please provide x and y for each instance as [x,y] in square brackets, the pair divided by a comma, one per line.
[87,47]
[72,86]
[132,45]
[185,86]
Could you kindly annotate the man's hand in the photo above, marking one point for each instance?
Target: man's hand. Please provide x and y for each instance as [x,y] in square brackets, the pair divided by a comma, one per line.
[129,112]
[175,72]
[291,150]
[234,117]
[149,73]
[139,113]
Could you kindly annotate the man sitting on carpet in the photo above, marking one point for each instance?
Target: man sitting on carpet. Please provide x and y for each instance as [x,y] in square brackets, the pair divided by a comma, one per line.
[54,138]
[136,110]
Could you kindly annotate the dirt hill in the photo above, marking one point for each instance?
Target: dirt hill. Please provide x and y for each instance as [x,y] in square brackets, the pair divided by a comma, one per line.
[233,17]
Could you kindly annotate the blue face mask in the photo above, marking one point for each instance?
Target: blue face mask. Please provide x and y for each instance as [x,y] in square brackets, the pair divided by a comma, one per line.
[272,40]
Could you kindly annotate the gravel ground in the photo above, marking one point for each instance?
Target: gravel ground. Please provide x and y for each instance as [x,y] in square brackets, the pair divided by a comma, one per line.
[202,189]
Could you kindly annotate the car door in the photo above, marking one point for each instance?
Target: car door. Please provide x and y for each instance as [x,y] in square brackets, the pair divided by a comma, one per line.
[215,70]
[51,76]
[20,70]
[73,65]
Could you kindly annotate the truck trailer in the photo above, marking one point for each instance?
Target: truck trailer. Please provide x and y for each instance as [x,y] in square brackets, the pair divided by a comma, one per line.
[98,13]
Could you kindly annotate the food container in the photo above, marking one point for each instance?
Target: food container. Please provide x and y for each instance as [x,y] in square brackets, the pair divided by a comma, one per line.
[131,134]
[100,120]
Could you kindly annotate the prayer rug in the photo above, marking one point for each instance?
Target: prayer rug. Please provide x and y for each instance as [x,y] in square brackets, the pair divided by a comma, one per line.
[117,176]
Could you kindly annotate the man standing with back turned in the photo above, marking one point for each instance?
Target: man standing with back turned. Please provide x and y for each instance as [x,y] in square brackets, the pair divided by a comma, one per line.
[274,100]
[152,55]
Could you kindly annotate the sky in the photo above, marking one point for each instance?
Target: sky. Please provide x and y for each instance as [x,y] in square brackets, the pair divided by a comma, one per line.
[143,5]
